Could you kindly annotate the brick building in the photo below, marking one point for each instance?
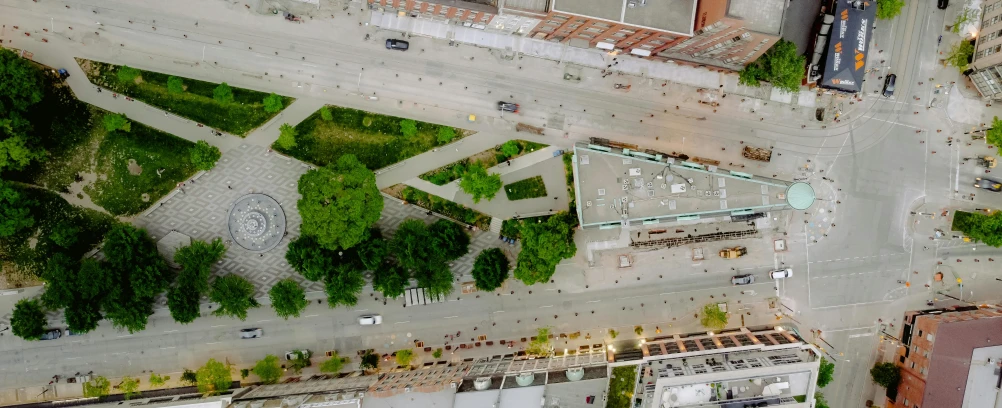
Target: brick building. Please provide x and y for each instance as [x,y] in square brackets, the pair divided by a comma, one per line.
[725,34]
[948,358]
[987,60]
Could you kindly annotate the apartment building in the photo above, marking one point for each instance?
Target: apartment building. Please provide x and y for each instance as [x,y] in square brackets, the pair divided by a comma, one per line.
[949,358]
[986,63]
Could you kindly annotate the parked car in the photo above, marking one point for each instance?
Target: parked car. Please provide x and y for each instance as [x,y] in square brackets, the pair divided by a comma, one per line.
[988,184]
[889,85]
[941,4]
[400,45]
[743,279]
[291,354]
[781,273]
[508,106]
[251,333]
[52,334]
[369,320]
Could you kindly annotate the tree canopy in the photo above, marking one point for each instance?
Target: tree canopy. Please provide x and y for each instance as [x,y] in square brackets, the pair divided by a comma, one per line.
[391,280]
[826,372]
[510,148]
[287,298]
[138,275]
[129,386]
[287,136]
[888,9]
[175,85]
[273,103]
[490,270]
[540,345]
[343,285]
[126,73]
[994,134]
[339,203]
[234,294]
[415,247]
[97,387]
[196,262]
[479,184]
[886,375]
[115,121]
[445,134]
[404,357]
[15,210]
[369,361]
[980,227]
[223,93]
[325,113]
[960,55]
[712,317]
[269,370]
[307,257]
[204,156]
[28,320]
[213,378]
[333,365]
[544,245]
[781,65]
[408,127]
[449,238]
[20,88]
[372,253]
[61,279]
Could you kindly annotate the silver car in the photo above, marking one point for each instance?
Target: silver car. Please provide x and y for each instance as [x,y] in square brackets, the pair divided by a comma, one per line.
[745,279]
[252,333]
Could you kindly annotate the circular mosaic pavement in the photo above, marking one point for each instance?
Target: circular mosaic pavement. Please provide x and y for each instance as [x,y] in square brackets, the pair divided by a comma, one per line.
[256,222]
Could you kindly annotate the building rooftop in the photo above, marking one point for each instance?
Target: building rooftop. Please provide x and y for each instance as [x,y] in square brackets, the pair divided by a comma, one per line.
[613,185]
[957,364]
[675,16]
[563,393]
[538,6]
[763,16]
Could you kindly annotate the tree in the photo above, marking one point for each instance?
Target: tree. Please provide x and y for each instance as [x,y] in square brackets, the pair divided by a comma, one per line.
[886,375]
[713,317]
[273,103]
[391,280]
[126,73]
[28,320]
[435,278]
[325,114]
[307,257]
[373,251]
[888,9]
[196,262]
[993,135]
[333,365]
[437,353]
[339,203]
[613,333]
[300,361]
[114,121]
[15,152]
[449,238]
[129,386]
[60,276]
[960,55]
[510,148]
[204,156]
[543,246]
[213,378]
[15,210]
[826,372]
[189,377]
[343,285]
[223,94]
[91,283]
[479,184]
[269,370]
[244,373]
[98,387]
[408,127]
[83,316]
[64,234]
[287,298]
[20,88]
[820,401]
[175,85]
[781,65]
[446,134]
[157,380]
[980,227]
[639,330]
[540,346]
[412,245]
[404,357]
[287,136]
[234,294]
[490,270]
[139,274]
[183,302]
[369,361]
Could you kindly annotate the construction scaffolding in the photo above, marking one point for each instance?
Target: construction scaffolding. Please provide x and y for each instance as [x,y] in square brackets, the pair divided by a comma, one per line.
[679,241]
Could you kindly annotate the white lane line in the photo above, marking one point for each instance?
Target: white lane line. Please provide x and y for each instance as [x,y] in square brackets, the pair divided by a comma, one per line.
[596,301]
[499,311]
[170,331]
[127,335]
[362,310]
[218,325]
[313,315]
[312,65]
[167,348]
[263,321]
[544,307]
[72,358]
[408,321]
[215,342]
[450,317]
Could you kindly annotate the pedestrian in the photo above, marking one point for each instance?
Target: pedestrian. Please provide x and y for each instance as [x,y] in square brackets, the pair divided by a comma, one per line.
[229,187]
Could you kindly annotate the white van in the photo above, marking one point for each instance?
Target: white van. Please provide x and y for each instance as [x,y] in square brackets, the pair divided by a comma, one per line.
[781,273]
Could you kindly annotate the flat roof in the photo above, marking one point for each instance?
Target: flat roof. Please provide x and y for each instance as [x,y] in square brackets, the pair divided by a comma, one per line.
[621,184]
[951,364]
[849,42]
[762,16]
[676,16]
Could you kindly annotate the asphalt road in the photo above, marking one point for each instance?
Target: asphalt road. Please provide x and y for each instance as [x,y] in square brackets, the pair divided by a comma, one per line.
[844,281]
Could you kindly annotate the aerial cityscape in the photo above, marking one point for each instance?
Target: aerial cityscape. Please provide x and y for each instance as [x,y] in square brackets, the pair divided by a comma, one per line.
[500,203]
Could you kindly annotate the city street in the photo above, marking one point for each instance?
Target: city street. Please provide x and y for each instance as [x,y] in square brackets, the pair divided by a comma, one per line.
[882,160]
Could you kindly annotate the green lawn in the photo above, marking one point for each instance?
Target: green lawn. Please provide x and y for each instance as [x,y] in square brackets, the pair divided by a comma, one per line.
[488,158]
[621,387]
[120,191]
[532,187]
[441,206]
[375,139]
[23,256]
[239,117]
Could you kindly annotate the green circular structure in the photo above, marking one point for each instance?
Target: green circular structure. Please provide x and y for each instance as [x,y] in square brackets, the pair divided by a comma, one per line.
[800,196]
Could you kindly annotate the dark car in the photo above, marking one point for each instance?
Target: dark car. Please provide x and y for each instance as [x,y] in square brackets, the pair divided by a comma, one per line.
[52,334]
[401,45]
[988,184]
[941,4]
[889,85]
[508,107]
[745,279]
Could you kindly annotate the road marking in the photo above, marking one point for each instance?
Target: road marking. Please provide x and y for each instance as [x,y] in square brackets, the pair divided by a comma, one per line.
[313,315]
[362,310]
[852,336]
[215,342]
[263,321]
[167,348]
[550,290]
[408,321]
[170,331]
[451,317]
[312,65]
[72,358]
[544,307]
[127,335]
[218,325]
[596,301]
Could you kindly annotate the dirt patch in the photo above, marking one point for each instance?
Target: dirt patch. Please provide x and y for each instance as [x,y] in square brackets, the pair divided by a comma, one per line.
[13,277]
[395,189]
[134,168]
